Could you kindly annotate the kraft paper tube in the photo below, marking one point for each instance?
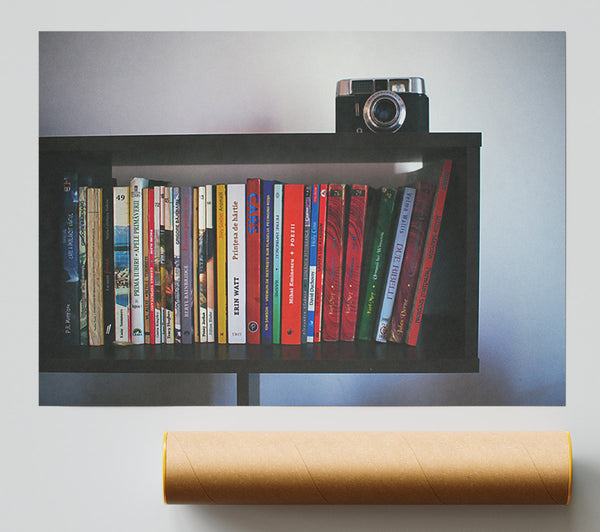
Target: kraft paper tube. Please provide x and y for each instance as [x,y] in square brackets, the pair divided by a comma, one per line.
[367,467]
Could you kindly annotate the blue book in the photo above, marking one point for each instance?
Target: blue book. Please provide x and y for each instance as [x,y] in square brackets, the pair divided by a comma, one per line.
[267,207]
[305,259]
[277,249]
[312,268]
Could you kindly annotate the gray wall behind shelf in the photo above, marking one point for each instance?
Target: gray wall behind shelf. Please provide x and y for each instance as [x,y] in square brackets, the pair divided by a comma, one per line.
[509,86]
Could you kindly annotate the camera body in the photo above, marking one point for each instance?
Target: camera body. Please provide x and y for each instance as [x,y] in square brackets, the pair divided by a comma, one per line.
[386,105]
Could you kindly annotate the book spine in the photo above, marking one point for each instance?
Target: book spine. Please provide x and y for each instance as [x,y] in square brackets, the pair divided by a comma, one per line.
[209,261]
[312,263]
[221,262]
[195,258]
[167,271]
[320,269]
[334,259]
[95,271]
[146,265]
[396,256]
[277,250]
[353,262]
[306,261]
[187,266]
[136,271]
[151,247]
[253,260]
[412,257]
[177,263]
[202,266]
[121,261]
[158,261]
[378,260]
[70,260]
[108,285]
[236,263]
[428,255]
[291,264]
[83,300]
[267,262]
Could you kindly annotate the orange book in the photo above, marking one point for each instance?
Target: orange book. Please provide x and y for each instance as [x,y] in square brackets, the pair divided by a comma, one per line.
[221,239]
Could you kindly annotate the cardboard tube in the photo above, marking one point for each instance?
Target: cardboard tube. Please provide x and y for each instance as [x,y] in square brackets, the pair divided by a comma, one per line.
[367,467]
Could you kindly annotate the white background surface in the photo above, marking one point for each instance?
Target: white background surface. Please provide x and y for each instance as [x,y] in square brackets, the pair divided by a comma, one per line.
[99,468]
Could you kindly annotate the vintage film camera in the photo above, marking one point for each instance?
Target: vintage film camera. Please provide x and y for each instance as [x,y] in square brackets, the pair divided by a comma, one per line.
[381,105]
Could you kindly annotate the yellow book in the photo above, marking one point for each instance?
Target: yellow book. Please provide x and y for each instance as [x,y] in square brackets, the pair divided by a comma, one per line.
[221,237]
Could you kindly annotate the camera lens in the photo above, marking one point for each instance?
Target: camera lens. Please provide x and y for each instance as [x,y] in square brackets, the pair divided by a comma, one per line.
[384,111]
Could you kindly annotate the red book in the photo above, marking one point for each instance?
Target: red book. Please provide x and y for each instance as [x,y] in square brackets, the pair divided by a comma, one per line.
[320,260]
[412,258]
[354,252]
[431,239]
[253,260]
[291,264]
[150,208]
[334,260]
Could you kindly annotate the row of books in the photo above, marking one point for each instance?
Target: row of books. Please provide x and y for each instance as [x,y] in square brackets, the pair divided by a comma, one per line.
[259,262]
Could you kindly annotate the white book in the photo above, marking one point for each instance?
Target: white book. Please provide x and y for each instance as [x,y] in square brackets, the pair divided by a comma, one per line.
[210,265]
[136,270]
[236,263]
[122,263]
[158,327]
[202,308]
[397,254]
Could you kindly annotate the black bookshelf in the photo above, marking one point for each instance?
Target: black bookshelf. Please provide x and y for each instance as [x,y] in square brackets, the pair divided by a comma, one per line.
[448,338]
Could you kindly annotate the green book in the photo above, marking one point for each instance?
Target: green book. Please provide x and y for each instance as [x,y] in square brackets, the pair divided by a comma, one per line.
[277,247]
[375,276]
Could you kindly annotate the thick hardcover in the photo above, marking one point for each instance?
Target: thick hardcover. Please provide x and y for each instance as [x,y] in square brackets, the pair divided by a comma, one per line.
[353,262]
[277,251]
[320,267]
[122,263]
[209,259]
[253,260]
[95,270]
[236,263]
[291,264]
[187,265]
[267,262]
[334,260]
[375,273]
[396,256]
[431,239]
[136,272]
[412,258]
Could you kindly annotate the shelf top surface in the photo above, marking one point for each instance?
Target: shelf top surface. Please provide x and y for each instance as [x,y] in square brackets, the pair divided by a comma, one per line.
[259,148]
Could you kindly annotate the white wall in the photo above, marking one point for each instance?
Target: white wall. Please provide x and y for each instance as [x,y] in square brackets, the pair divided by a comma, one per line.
[509,86]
